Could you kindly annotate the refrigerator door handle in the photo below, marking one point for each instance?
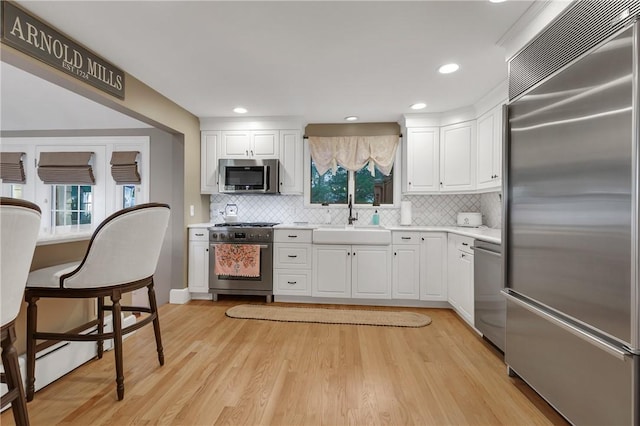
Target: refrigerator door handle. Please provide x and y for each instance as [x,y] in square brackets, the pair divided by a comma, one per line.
[589,338]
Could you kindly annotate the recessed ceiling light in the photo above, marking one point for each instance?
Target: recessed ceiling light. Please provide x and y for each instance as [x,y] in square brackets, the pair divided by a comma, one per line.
[240,110]
[448,68]
[419,105]
[351,118]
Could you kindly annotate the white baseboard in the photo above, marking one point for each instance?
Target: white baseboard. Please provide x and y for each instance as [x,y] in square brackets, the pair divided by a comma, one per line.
[201,296]
[179,296]
[64,357]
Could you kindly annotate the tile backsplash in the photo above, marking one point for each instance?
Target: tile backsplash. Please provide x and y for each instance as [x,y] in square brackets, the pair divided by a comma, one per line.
[434,210]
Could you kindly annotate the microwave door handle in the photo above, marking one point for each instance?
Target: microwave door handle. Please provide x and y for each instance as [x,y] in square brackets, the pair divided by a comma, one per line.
[266,178]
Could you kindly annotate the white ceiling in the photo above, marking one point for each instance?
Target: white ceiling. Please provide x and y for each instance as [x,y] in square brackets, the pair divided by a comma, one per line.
[320,60]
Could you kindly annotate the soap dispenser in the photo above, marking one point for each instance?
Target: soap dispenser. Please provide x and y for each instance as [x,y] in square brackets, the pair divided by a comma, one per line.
[375,219]
[327,217]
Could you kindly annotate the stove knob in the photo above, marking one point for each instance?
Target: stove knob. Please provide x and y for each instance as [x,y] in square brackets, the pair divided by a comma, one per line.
[214,236]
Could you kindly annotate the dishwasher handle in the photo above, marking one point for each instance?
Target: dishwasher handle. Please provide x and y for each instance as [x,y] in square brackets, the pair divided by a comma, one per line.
[484,250]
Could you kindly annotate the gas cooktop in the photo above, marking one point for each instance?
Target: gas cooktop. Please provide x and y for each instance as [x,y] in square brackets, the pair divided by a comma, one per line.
[247,224]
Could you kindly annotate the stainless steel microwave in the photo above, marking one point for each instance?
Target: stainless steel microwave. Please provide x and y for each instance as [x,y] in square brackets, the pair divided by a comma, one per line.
[248,176]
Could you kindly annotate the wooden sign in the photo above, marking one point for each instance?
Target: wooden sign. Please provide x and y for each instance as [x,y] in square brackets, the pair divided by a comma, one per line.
[35,38]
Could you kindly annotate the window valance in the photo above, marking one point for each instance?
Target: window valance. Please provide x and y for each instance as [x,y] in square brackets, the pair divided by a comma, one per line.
[67,168]
[124,167]
[12,168]
[354,152]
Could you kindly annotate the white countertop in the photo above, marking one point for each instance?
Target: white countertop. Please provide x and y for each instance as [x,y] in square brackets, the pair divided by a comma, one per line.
[485,234]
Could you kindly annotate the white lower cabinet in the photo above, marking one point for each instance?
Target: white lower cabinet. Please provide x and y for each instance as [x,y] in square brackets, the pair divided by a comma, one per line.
[420,266]
[433,266]
[345,271]
[460,275]
[292,262]
[406,265]
[198,260]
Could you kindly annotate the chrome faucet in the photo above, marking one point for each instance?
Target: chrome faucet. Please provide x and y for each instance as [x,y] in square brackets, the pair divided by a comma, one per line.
[351,217]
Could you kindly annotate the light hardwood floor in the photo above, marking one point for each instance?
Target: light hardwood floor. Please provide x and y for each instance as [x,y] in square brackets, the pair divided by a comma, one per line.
[245,372]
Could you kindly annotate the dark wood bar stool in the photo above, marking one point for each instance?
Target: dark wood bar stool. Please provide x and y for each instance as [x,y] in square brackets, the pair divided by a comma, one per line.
[19,227]
[122,257]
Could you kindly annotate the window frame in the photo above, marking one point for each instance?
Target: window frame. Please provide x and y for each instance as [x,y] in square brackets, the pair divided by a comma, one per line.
[107,195]
[397,170]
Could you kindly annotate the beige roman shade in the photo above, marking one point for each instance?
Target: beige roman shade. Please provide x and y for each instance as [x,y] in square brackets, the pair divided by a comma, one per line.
[66,168]
[12,168]
[124,167]
[354,152]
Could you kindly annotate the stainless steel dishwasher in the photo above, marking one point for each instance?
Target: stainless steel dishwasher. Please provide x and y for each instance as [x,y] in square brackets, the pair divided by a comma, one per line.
[489,304]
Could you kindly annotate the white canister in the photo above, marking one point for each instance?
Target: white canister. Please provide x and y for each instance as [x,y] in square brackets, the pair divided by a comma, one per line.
[405,213]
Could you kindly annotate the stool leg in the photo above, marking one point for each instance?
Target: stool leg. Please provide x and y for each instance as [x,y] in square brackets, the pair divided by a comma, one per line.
[32,323]
[156,322]
[117,343]
[100,330]
[12,376]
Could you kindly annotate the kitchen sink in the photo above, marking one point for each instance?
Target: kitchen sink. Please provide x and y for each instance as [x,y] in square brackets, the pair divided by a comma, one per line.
[352,234]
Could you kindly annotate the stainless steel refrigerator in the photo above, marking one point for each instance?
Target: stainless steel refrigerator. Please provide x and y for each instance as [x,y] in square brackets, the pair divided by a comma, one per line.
[571,235]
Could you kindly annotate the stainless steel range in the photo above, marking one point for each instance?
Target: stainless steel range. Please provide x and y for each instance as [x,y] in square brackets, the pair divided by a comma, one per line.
[238,234]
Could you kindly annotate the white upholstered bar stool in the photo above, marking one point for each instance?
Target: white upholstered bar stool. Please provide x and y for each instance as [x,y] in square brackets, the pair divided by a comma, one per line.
[19,227]
[122,257]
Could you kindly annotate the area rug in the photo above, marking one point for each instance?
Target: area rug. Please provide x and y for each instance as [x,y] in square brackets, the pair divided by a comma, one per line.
[329,316]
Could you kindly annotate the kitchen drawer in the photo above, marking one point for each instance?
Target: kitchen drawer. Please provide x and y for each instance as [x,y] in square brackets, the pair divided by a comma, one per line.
[289,282]
[462,243]
[292,235]
[198,234]
[292,256]
[404,237]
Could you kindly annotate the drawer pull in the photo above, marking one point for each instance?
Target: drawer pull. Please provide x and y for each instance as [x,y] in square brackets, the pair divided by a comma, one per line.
[292,282]
[292,236]
[199,235]
[292,255]
[406,238]
[465,244]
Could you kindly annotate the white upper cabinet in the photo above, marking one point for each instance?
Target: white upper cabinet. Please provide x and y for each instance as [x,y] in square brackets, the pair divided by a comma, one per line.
[258,144]
[291,162]
[209,161]
[489,164]
[458,157]
[422,160]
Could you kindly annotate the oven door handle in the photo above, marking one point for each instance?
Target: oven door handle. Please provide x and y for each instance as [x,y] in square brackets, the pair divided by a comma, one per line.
[262,246]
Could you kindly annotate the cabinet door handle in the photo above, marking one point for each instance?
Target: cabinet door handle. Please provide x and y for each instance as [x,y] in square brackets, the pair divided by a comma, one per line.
[422,238]
[292,236]
[348,253]
[292,256]
[395,253]
[462,256]
[206,249]
[252,153]
[354,253]
[246,152]
[292,282]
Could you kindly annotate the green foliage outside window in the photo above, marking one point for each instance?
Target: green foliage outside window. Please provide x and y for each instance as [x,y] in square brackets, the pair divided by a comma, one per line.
[333,188]
[375,190]
[329,188]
